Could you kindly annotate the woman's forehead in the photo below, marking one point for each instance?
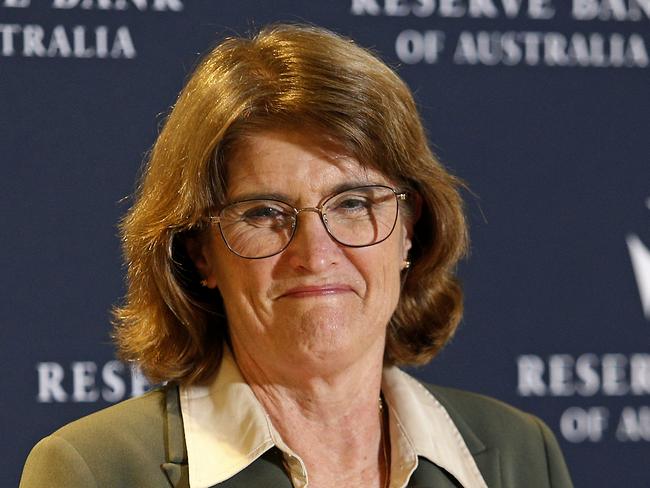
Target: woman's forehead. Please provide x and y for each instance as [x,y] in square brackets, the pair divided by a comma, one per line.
[292,164]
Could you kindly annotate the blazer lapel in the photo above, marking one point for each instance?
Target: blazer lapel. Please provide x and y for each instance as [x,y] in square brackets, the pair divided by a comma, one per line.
[176,466]
[489,464]
[486,458]
[430,475]
[267,470]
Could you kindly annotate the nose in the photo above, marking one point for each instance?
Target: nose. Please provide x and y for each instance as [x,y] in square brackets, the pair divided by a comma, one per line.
[312,248]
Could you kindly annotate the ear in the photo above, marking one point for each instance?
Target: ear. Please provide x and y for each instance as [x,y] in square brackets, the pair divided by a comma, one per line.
[411,217]
[198,249]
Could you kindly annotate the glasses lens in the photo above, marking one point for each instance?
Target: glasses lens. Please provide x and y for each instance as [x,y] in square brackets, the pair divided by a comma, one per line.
[257,228]
[361,216]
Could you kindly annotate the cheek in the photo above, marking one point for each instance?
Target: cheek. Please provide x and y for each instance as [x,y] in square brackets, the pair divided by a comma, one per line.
[382,271]
[243,284]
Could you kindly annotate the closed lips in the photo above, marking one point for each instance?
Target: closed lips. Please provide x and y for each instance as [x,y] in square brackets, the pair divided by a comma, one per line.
[314,290]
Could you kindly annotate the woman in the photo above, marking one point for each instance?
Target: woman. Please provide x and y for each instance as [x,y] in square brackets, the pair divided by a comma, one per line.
[292,242]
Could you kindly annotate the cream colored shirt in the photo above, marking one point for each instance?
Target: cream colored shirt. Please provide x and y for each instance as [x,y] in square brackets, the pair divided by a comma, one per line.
[226,429]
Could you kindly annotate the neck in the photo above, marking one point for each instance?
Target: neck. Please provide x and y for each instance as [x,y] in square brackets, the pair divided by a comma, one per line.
[332,421]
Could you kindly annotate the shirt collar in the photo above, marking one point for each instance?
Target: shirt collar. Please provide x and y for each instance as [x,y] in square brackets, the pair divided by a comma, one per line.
[421,426]
[226,429]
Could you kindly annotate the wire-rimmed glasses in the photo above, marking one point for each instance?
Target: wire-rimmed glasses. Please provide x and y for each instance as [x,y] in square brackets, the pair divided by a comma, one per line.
[357,217]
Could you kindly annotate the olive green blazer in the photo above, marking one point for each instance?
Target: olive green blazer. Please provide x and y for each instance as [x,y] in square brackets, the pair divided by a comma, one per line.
[140,443]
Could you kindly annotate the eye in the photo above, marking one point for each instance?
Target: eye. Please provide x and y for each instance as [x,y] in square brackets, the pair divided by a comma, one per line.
[261,212]
[352,203]
[266,214]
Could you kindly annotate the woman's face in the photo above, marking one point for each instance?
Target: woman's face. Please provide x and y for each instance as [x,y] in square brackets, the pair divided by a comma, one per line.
[317,304]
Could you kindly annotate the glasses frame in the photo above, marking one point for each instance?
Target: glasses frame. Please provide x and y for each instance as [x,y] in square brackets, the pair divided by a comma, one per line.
[399,196]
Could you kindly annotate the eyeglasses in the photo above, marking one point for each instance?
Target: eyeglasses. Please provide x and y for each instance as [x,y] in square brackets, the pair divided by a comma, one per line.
[358,217]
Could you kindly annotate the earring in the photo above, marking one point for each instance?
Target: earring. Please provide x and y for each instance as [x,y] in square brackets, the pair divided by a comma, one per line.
[204,283]
[406,264]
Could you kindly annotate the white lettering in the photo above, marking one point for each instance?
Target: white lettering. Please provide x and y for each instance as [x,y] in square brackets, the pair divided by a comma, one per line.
[482,8]
[123,4]
[77,42]
[123,44]
[65,3]
[640,257]
[555,49]
[396,8]
[614,374]
[579,50]
[530,372]
[424,8]
[639,9]
[80,49]
[87,384]
[617,10]
[560,375]
[83,381]
[33,41]
[489,52]
[606,10]
[59,44]
[466,51]
[532,42]
[16,3]
[584,9]
[637,54]
[141,5]
[578,424]
[101,41]
[451,8]
[413,47]
[511,7]
[8,31]
[139,383]
[540,9]
[634,425]
[640,374]
[114,388]
[511,51]
[613,9]
[50,376]
[365,7]
[551,49]
[173,5]
[586,371]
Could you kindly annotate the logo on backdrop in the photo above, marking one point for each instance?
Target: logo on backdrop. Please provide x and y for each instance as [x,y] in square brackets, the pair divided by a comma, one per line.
[640,257]
[35,40]
[583,46]
[589,375]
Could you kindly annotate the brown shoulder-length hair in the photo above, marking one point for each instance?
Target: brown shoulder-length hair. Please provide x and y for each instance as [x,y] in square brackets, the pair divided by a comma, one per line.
[287,76]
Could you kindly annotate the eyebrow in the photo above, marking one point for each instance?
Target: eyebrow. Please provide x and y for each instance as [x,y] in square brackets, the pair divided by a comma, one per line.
[283,197]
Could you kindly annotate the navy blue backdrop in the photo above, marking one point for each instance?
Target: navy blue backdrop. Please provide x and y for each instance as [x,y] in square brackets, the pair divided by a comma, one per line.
[541,106]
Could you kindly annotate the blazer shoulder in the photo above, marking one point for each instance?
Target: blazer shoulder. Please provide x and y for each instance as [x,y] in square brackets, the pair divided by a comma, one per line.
[121,445]
[135,415]
[522,439]
[483,412]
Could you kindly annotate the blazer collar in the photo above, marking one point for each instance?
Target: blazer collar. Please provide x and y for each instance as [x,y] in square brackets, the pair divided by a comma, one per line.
[424,422]
[176,454]
[487,457]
